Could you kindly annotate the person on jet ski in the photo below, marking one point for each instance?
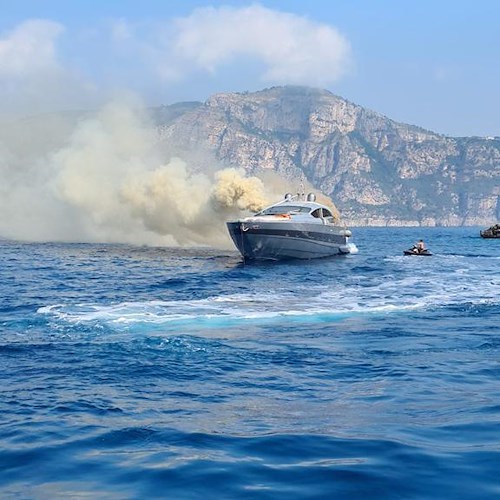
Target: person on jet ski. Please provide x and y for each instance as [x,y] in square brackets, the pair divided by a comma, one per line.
[420,246]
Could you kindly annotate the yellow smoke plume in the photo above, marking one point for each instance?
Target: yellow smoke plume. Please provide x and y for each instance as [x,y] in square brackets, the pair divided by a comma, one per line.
[108,182]
[232,189]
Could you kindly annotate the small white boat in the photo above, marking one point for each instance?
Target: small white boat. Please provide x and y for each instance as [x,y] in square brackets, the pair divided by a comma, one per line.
[294,228]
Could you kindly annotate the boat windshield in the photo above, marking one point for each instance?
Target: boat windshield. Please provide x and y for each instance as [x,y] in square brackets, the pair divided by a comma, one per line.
[284,209]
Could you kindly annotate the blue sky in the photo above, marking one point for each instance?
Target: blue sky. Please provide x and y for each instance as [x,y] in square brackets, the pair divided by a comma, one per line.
[430,63]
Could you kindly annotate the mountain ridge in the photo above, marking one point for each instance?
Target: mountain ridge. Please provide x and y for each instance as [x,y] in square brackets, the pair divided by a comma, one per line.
[377,171]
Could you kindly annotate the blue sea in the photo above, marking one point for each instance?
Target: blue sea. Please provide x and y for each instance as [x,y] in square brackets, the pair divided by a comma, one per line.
[138,372]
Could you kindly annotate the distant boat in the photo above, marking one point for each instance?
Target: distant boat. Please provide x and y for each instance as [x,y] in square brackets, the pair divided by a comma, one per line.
[295,228]
[491,232]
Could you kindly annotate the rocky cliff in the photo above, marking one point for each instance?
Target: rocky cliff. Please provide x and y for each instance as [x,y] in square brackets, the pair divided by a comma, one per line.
[378,171]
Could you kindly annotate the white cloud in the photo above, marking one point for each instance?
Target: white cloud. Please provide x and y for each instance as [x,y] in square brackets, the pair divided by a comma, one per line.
[240,48]
[445,73]
[29,49]
[33,78]
[293,49]
[120,31]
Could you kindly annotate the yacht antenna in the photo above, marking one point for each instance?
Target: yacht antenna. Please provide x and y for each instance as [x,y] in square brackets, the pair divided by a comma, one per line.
[301,194]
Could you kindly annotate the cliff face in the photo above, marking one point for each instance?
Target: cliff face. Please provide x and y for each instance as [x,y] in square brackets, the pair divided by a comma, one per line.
[377,171]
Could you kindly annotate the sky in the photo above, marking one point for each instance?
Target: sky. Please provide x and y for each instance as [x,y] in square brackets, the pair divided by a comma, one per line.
[435,64]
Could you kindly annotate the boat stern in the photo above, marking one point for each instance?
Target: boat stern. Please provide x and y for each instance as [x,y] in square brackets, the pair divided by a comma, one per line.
[348,248]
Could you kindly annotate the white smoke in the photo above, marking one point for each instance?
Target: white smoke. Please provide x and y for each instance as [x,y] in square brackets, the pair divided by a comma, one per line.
[103,177]
[109,182]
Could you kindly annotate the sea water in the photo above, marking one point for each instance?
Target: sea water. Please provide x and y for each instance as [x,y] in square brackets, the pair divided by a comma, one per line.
[135,372]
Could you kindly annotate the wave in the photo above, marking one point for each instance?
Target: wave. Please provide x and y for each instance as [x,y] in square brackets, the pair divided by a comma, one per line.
[311,293]
[225,311]
[144,460]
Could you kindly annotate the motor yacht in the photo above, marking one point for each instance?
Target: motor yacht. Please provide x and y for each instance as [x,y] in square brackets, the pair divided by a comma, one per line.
[298,227]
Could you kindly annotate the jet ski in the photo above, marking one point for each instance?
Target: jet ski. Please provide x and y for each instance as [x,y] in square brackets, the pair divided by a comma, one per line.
[415,251]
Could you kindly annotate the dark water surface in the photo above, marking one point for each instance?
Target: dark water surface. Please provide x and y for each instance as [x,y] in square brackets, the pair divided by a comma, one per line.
[171,373]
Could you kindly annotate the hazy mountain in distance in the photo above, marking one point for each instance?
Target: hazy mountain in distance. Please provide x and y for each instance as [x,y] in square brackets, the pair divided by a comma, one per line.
[377,171]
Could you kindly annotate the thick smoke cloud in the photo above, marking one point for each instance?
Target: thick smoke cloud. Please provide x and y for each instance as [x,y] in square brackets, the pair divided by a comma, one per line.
[105,177]
[108,181]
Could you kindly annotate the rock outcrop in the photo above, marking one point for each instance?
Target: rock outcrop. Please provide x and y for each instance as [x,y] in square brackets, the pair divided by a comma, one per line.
[377,171]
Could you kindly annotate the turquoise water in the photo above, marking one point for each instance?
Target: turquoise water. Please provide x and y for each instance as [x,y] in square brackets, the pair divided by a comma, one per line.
[149,372]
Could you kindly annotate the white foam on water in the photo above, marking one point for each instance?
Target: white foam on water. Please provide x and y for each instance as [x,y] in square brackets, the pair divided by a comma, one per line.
[403,289]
